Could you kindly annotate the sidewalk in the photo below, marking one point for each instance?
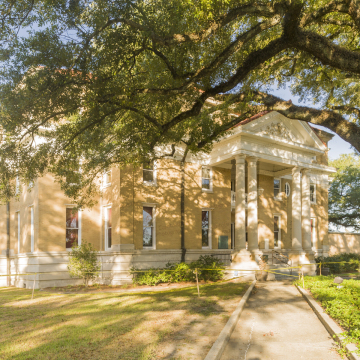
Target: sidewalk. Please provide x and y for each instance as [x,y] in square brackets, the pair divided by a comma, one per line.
[282,327]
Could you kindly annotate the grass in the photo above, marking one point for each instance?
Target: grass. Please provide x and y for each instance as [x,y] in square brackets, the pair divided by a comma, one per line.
[343,305]
[173,324]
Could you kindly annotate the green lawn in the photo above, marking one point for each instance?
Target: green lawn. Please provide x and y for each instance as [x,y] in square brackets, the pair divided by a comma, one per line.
[173,324]
[343,304]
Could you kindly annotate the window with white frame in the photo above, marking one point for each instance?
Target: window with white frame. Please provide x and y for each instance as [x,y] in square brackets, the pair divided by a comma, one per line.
[107,178]
[149,174]
[206,229]
[313,193]
[107,227]
[277,231]
[287,189]
[277,187]
[313,232]
[31,227]
[17,185]
[206,178]
[18,234]
[149,227]
[73,228]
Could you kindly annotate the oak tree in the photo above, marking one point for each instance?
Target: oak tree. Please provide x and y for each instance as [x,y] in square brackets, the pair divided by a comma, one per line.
[111,81]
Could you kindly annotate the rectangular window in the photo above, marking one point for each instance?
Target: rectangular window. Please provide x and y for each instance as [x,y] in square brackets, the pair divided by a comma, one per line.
[206,229]
[107,178]
[277,232]
[148,227]
[107,227]
[17,185]
[313,193]
[206,179]
[313,232]
[31,220]
[277,185]
[18,230]
[72,228]
[232,235]
[148,173]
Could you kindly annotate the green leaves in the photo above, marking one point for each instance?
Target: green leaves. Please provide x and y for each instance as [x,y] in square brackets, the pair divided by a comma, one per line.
[344,193]
[83,262]
[114,82]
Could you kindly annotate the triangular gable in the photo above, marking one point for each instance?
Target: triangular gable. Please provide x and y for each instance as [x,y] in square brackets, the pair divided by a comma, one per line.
[275,126]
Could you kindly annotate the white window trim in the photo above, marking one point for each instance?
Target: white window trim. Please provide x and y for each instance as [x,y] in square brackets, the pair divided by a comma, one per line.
[153,247]
[279,241]
[32,233]
[79,228]
[314,201]
[210,228]
[211,179]
[279,197]
[154,182]
[31,184]
[287,186]
[18,230]
[105,226]
[106,184]
[17,185]
[313,235]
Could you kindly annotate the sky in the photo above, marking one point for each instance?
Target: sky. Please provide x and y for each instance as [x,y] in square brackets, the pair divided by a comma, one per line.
[337,145]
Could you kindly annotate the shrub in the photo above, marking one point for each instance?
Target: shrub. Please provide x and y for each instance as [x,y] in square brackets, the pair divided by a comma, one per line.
[341,304]
[83,262]
[179,272]
[350,263]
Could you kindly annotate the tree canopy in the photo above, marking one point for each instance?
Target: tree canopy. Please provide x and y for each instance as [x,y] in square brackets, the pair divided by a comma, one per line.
[344,193]
[109,81]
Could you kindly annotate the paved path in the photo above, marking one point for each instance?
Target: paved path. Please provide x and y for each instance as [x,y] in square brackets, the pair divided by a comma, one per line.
[282,327]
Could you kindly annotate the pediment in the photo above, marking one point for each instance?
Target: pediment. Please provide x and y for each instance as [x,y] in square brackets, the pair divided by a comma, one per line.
[278,127]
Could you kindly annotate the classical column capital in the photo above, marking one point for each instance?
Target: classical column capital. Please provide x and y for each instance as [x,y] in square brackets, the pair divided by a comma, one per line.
[240,159]
[252,159]
[305,171]
[296,170]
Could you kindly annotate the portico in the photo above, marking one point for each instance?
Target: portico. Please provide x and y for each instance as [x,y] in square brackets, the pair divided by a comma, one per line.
[264,155]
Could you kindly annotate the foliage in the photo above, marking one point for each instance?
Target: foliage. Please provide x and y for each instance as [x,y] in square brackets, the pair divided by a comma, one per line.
[115,82]
[342,304]
[350,263]
[179,272]
[344,192]
[83,262]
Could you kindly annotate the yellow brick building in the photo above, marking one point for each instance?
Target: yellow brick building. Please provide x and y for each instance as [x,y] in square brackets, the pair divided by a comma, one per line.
[263,188]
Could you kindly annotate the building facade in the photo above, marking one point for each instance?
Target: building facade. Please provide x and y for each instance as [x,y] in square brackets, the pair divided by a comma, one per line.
[263,188]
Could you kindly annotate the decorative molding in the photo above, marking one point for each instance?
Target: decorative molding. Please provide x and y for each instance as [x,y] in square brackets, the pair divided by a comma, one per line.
[278,129]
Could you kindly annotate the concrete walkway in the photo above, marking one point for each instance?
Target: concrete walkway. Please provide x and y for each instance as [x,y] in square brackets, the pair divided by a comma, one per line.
[281,325]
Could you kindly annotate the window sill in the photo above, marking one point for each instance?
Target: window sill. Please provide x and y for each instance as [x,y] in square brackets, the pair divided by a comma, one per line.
[313,203]
[148,248]
[68,249]
[207,191]
[147,183]
[206,248]
[277,199]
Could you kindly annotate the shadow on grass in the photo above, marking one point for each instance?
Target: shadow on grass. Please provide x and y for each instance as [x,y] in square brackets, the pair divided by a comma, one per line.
[99,326]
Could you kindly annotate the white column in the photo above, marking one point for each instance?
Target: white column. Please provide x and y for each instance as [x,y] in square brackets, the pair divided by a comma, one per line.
[305,212]
[240,226]
[252,204]
[296,209]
